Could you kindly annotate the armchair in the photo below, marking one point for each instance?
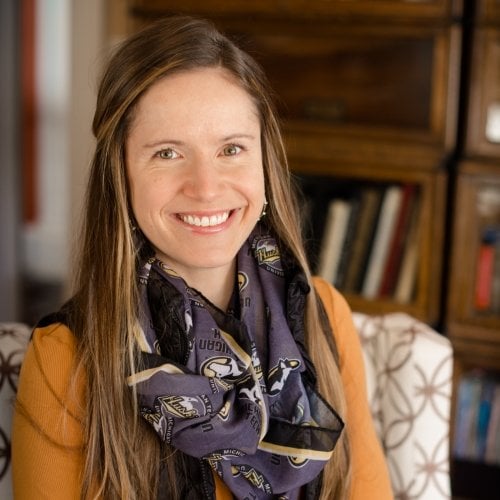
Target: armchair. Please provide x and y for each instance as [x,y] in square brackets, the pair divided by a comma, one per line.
[14,338]
[409,377]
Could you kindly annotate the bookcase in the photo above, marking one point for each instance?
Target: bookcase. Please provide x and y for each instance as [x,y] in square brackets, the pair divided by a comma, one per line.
[473,315]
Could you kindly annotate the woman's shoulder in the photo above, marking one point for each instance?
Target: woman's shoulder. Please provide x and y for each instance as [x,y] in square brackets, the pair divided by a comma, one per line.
[50,388]
[341,321]
[334,302]
[50,365]
[54,336]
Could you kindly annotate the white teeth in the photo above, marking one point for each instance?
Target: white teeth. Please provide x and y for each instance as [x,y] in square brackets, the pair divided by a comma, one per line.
[205,221]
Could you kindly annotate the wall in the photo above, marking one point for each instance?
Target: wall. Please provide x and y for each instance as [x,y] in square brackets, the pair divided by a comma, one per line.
[45,257]
[35,256]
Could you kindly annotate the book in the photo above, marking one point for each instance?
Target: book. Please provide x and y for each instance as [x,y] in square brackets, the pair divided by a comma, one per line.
[333,238]
[369,206]
[393,262]
[468,397]
[492,451]
[485,268]
[385,229]
[407,275]
[483,417]
[349,238]
[495,284]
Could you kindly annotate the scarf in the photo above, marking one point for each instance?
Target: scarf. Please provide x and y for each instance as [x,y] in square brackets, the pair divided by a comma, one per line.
[234,389]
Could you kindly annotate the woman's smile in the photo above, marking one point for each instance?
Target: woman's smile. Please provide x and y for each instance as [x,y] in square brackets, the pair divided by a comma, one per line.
[205,220]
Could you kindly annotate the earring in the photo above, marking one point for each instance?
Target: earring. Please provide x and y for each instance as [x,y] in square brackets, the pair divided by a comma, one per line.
[263,213]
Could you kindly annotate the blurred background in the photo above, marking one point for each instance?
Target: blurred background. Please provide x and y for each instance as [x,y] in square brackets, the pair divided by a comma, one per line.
[50,52]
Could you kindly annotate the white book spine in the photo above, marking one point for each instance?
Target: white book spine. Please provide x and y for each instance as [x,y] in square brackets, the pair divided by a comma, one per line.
[333,237]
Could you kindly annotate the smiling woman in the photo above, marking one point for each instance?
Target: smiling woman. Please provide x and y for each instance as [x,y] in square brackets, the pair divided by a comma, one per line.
[198,357]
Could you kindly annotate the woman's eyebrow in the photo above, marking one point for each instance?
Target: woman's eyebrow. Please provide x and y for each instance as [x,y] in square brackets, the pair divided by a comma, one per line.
[163,142]
[238,136]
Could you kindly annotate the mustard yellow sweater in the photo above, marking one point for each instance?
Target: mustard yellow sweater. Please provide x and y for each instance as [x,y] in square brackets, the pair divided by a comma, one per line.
[44,470]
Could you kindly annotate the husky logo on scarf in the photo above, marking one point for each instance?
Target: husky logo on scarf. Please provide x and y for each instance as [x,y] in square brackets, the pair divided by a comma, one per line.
[267,254]
[182,406]
[221,367]
[279,374]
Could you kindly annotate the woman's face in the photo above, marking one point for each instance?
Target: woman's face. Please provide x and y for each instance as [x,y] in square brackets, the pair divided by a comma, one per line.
[194,164]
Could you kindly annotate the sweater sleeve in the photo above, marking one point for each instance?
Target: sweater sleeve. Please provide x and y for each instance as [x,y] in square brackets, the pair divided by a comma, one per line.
[370,477]
[47,434]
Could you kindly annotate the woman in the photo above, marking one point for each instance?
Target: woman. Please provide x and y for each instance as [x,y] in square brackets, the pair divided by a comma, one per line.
[195,359]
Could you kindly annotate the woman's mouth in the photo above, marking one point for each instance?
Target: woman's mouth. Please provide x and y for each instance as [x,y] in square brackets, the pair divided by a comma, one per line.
[205,220]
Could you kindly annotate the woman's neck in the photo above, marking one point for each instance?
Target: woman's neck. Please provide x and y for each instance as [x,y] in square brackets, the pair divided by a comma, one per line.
[216,284]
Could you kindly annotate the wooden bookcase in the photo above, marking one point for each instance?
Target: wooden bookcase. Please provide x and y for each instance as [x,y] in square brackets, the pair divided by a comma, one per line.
[474,328]
[475,333]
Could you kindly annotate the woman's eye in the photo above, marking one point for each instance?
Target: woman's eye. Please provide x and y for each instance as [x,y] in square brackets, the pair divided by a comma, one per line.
[167,154]
[231,150]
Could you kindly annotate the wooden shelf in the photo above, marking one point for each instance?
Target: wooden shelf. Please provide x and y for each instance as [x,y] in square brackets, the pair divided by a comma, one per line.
[397,10]
[485,476]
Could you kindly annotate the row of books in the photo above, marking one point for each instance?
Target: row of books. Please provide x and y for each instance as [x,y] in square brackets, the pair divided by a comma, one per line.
[487,286]
[477,418]
[369,244]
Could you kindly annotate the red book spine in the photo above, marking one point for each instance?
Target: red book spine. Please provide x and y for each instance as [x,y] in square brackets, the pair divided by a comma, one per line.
[393,262]
[484,276]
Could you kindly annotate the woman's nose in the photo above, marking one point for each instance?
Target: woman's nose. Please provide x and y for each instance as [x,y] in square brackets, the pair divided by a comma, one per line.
[203,180]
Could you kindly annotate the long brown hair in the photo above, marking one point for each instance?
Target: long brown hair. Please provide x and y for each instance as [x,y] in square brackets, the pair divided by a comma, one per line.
[122,454]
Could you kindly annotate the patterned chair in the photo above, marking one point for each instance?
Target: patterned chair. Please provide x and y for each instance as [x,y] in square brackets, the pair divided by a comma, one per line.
[13,340]
[409,377]
[408,369]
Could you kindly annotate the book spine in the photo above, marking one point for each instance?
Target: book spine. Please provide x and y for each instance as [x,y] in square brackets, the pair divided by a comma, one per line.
[370,202]
[484,277]
[407,275]
[492,452]
[469,390]
[485,269]
[333,238]
[392,266]
[477,418]
[347,246]
[383,236]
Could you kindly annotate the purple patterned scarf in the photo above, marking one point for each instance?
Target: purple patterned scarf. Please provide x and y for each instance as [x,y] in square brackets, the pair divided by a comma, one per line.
[239,399]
